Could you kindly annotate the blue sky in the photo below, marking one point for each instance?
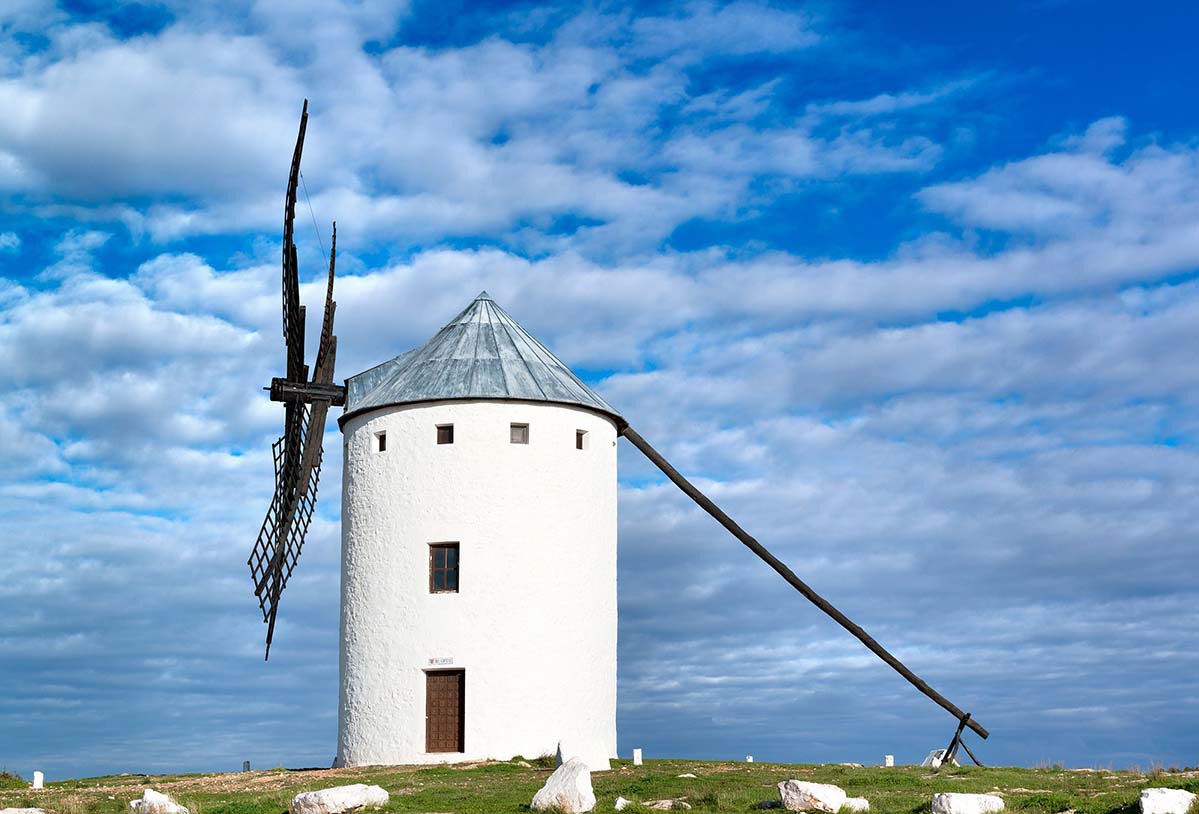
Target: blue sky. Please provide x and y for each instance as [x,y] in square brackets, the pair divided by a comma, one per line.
[909,288]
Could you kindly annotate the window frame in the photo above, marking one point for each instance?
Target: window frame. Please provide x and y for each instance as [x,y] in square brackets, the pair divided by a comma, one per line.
[581,439]
[445,569]
[513,427]
[381,441]
[450,433]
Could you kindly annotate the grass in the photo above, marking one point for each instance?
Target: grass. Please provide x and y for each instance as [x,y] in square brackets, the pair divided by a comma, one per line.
[496,788]
[8,780]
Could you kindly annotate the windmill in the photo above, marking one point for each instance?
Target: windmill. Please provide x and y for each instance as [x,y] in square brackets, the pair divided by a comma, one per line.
[481,370]
[298,451]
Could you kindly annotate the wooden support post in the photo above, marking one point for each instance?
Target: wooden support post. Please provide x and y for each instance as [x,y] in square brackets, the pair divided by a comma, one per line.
[977,762]
[952,749]
[798,584]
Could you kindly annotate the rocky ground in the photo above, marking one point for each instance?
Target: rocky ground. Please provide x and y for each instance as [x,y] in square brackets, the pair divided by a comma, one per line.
[509,787]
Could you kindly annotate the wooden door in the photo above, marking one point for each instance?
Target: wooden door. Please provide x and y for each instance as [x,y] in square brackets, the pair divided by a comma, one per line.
[445,708]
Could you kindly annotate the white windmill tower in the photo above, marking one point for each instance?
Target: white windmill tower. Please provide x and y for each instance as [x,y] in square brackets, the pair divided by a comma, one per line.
[478,594]
[478,589]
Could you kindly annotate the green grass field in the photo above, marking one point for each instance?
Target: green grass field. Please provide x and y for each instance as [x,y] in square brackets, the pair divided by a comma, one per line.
[495,788]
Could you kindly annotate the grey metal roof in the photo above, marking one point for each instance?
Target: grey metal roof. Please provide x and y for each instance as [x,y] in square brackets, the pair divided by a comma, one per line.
[483,353]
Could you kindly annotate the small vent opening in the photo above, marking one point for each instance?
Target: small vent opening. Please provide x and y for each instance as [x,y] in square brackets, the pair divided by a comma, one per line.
[445,433]
[381,442]
[519,433]
[580,439]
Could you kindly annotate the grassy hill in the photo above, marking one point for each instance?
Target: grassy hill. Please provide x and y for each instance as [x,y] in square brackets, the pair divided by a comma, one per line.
[495,788]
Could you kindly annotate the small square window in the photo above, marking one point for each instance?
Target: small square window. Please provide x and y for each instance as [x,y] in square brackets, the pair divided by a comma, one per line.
[381,442]
[580,439]
[445,433]
[520,433]
[443,568]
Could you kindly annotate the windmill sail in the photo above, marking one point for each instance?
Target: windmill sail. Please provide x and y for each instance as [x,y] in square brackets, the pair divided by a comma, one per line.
[299,451]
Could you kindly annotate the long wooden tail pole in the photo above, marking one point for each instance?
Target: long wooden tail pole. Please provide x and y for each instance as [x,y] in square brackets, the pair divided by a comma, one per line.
[786,573]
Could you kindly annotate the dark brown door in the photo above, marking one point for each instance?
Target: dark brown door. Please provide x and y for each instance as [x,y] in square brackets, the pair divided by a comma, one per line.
[445,708]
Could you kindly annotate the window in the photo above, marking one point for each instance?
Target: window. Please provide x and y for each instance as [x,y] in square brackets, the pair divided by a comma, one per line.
[580,439]
[381,442]
[520,433]
[443,568]
[445,433]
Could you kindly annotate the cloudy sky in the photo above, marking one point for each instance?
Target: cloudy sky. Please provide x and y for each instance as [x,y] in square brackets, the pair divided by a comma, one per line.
[911,289]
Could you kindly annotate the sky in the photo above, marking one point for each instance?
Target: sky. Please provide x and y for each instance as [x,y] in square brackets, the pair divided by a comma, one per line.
[910,289]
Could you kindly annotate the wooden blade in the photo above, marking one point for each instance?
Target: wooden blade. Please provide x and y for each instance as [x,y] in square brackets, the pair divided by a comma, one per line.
[293,313]
[285,526]
[322,369]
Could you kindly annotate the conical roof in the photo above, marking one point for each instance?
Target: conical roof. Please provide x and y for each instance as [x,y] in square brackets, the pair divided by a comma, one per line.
[483,353]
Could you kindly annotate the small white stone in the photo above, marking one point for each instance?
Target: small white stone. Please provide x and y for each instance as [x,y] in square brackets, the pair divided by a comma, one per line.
[154,802]
[568,789]
[339,799]
[888,760]
[39,780]
[800,795]
[688,774]
[857,804]
[668,805]
[621,803]
[948,802]
[22,811]
[1166,801]
[636,757]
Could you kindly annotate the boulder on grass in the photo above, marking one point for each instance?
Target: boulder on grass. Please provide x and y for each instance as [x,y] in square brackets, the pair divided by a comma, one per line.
[935,758]
[668,805]
[948,802]
[857,804]
[154,802]
[339,799]
[567,791]
[800,795]
[621,804]
[1166,801]
[22,811]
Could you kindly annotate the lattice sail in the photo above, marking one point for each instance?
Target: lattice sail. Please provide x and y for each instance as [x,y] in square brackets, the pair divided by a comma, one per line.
[298,452]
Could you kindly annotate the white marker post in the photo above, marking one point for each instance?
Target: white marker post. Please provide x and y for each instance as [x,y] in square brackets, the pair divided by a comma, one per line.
[39,780]
[888,760]
[636,757]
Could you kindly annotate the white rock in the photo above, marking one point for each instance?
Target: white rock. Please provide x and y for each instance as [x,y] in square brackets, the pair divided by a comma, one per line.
[621,803]
[338,799]
[857,804]
[933,761]
[668,805]
[22,811]
[800,795]
[688,774]
[154,802]
[568,789]
[948,802]
[1166,801]
[851,765]
[590,753]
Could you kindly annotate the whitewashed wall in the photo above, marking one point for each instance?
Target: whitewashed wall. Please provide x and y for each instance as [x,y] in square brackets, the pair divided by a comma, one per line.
[534,622]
